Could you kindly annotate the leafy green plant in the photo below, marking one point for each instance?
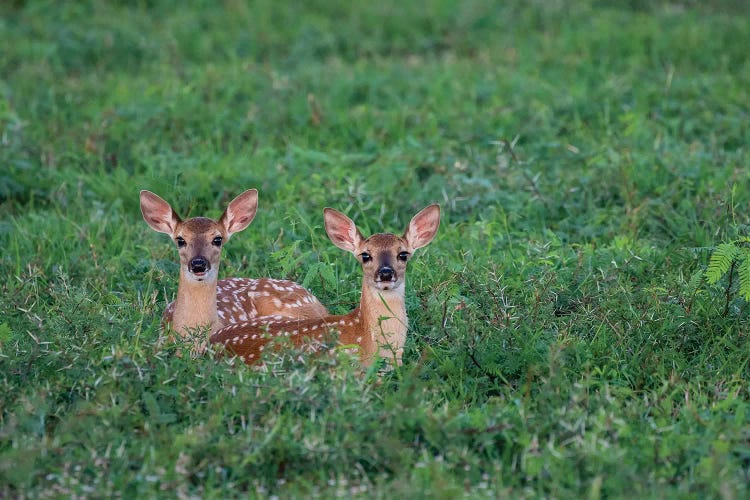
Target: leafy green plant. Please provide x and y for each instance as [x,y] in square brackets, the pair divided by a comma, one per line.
[730,259]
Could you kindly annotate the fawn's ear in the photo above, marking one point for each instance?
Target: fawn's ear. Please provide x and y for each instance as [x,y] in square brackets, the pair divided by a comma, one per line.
[240,212]
[342,230]
[158,214]
[423,227]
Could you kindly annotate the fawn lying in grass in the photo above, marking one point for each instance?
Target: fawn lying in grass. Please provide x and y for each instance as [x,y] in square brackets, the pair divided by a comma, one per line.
[203,301]
[378,326]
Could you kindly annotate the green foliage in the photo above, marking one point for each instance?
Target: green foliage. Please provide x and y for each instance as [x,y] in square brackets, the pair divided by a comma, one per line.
[566,331]
[721,260]
[729,256]
[743,271]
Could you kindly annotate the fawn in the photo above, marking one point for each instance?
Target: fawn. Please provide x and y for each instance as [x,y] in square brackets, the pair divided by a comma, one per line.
[378,326]
[203,301]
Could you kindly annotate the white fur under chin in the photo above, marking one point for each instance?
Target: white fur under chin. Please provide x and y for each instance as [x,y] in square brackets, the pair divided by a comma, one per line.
[397,288]
[210,277]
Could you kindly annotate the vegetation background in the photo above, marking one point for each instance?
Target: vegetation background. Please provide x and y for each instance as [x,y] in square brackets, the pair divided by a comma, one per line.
[588,156]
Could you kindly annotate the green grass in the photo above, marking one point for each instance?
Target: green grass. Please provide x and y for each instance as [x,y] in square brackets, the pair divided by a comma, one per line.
[564,341]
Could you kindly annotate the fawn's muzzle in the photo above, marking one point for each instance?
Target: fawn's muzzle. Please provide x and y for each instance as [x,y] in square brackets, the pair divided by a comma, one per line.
[386,273]
[199,265]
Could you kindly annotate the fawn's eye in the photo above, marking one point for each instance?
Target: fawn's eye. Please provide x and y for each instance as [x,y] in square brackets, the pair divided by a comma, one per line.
[403,256]
[180,241]
[365,257]
[217,241]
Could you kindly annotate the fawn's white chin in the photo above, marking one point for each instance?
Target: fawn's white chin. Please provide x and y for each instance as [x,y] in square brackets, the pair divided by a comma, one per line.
[387,285]
[210,275]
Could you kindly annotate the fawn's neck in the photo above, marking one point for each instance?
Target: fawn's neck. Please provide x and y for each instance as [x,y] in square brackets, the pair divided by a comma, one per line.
[382,314]
[195,306]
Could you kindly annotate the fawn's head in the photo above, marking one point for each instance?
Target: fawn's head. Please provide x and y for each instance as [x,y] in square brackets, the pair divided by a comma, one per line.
[199,239]
[383,256]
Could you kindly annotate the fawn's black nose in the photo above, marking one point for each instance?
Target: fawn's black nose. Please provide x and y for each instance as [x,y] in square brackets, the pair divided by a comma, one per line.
[385,273]
[199,265]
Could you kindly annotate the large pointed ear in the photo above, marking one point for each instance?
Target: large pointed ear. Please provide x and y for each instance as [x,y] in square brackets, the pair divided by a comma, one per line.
[423,227]
[342,230]
[158,214]
[240,212]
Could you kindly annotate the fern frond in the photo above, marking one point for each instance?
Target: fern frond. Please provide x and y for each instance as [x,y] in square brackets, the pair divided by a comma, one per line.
[321,270]
[695,281]
[743,270]
[720,261]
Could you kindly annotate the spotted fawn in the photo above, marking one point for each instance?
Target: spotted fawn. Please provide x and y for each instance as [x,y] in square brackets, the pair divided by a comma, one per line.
[203,301]
[378,326]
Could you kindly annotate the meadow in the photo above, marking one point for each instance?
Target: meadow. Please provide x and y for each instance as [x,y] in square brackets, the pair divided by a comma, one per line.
[589,157]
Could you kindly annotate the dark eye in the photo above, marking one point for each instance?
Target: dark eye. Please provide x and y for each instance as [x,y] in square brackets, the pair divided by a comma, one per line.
[403,256]
[180,241]
[217,241]
[365,257]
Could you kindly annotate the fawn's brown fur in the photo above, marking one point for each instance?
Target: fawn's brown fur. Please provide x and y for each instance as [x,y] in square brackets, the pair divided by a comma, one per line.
[203,301]
[379,324]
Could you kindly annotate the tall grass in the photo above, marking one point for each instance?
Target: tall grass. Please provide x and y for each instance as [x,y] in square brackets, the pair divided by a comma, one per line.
[588,157]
